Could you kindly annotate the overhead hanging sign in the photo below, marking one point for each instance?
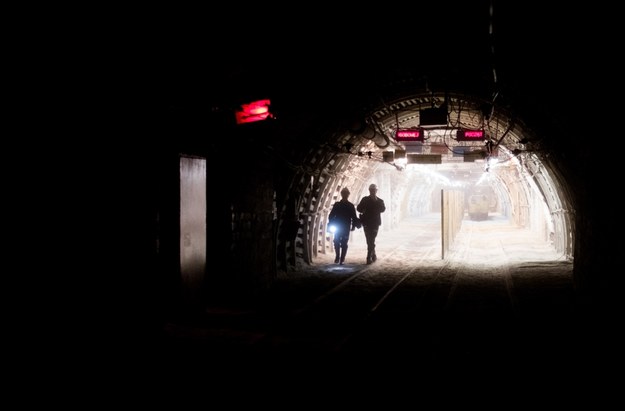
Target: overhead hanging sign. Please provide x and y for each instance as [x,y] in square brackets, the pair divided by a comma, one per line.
[409,134]
[423,159]
[471,156]
[470,135]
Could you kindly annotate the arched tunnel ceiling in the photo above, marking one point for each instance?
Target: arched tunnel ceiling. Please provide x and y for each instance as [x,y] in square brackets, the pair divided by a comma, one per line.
[373,136]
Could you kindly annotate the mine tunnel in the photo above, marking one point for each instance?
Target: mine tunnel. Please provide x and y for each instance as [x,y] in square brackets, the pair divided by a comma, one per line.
[224,214]
[513,262]
[439,172]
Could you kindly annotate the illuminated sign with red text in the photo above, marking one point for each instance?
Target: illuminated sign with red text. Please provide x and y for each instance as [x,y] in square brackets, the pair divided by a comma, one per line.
[255,111]
[409,134]
[470,135]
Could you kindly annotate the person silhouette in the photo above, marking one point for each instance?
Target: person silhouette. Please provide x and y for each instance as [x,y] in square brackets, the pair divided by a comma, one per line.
[344,220]
[370,207]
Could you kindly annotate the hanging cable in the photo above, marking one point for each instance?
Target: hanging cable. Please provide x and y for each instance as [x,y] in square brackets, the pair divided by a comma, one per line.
[492,46]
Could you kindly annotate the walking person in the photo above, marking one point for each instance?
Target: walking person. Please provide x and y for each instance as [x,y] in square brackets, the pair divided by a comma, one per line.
[370,208]
[344,219]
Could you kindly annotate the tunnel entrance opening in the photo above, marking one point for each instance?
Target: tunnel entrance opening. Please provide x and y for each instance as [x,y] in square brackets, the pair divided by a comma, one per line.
[519,183]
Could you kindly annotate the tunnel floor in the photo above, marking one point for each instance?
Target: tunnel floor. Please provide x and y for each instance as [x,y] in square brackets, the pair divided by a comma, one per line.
[500,297]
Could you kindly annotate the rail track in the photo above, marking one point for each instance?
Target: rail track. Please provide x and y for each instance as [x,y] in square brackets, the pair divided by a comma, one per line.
[484,299]
[408,300]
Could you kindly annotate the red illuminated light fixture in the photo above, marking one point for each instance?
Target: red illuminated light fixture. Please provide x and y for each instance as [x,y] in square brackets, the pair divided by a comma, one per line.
[254,111]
